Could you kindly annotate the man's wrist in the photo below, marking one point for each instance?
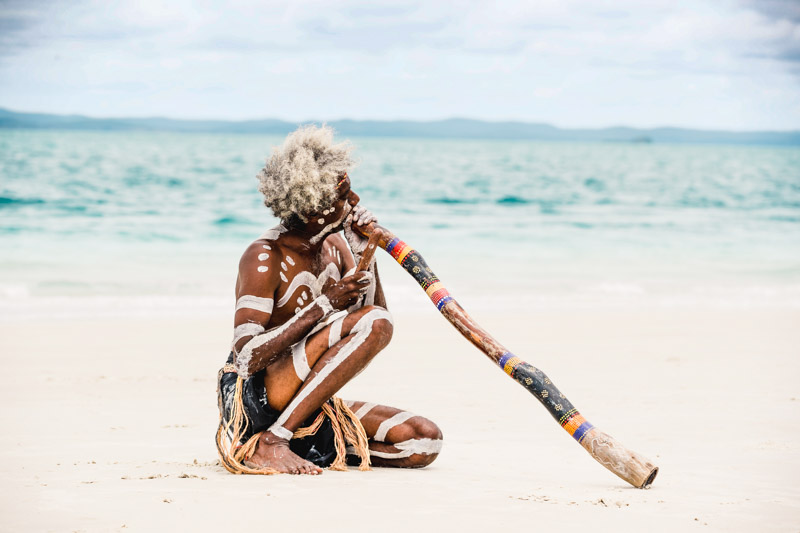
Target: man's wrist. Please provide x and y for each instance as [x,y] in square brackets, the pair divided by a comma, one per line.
[325,304]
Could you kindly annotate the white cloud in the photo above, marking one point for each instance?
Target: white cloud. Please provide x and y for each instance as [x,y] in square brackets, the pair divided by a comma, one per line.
[569,62]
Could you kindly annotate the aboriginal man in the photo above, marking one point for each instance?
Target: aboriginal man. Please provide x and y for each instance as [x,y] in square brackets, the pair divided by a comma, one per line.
[306,323]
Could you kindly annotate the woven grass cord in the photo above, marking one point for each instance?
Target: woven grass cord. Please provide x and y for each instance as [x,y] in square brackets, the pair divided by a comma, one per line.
[234,455]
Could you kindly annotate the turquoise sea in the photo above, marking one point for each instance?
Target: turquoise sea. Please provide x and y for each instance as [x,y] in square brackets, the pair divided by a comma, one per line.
[142,220]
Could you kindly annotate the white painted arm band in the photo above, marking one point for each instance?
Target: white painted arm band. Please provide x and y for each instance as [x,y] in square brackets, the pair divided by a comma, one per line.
[254,302]
[247,329]
[325,305]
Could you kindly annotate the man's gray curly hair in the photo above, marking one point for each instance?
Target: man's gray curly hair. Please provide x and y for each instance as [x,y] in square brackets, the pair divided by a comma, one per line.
[300,176]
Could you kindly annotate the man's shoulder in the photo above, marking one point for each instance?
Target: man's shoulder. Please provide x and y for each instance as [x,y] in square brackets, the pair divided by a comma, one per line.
[263,251]
[336,240]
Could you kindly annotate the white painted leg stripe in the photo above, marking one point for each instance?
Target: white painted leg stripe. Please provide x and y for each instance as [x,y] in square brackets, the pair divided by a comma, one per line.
[362,328]
[411,447]
[335,334]
[389,423]
[280,431]
[363,410]
[300,360]
[421,446]
[391,455]
[255,302]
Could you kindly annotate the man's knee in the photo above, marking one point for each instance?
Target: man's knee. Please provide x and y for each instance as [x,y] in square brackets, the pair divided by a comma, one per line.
[379,322]
[425,429]
[424,441]
[417,429]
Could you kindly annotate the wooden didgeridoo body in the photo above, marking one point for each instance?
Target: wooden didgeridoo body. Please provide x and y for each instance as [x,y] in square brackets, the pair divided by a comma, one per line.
[630,466]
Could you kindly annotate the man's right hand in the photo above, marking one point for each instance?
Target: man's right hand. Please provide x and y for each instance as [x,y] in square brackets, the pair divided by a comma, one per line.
[346,291]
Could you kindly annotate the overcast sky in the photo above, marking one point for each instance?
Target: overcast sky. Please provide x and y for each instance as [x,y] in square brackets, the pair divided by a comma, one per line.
[727,64]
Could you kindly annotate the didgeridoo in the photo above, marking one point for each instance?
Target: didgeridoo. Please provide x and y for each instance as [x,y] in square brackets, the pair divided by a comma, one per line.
[630,466]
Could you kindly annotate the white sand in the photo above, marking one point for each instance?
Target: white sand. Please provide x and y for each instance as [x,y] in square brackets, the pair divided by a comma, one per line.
[109,426]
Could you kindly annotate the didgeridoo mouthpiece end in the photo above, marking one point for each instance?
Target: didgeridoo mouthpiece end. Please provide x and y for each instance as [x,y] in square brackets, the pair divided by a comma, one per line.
[628,465]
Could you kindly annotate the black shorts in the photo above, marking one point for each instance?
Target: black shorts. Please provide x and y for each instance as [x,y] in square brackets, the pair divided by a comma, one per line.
[318,448]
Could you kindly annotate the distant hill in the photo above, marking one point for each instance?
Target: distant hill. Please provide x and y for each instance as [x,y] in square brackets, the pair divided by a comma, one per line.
[454,128]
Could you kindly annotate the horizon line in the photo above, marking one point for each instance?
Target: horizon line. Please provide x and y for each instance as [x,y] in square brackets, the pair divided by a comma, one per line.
[411,120]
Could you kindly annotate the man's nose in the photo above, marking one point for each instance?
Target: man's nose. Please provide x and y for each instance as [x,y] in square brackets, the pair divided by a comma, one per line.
[353,199]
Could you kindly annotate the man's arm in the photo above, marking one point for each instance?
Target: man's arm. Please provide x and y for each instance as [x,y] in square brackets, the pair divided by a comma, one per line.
[254,346]
[374,295]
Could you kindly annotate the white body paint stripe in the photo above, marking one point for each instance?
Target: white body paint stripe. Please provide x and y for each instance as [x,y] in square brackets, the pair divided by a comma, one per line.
[362,330]
[411,447]
[308,279]
[303,278]
[316,238]
[364,409]
[300,360]
[331,272]
[246,330]
[389,423]
[335,333]
[249,301]
[282,432]
[421,446]
[407,449]
[243,358]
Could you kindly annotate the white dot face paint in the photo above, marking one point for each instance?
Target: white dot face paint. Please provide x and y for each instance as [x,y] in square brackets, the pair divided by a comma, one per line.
[321,221]
[299,301]
[290,260]
[263,268]
[283,277]
[296,310]
[304,296]
[267,247]
[263,257]
[283,266]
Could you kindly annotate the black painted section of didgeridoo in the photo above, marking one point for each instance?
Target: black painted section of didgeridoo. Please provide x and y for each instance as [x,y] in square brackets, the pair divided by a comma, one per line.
[415,264]
[543,389]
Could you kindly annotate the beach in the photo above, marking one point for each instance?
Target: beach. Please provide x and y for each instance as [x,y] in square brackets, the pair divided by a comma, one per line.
[657,286]
[117,432]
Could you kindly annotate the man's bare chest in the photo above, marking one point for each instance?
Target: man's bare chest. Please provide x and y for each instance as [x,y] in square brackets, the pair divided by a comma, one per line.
[302,279]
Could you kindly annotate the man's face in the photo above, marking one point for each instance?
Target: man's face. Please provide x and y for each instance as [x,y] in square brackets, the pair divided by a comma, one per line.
[344,203]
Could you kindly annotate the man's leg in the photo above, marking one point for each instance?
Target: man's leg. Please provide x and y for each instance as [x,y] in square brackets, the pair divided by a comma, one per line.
[398,438]
[299,384]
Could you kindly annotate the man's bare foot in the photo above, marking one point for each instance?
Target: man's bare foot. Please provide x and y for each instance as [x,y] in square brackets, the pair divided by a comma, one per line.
[273,452]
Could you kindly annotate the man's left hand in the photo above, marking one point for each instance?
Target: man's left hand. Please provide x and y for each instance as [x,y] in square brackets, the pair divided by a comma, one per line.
[358,243]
